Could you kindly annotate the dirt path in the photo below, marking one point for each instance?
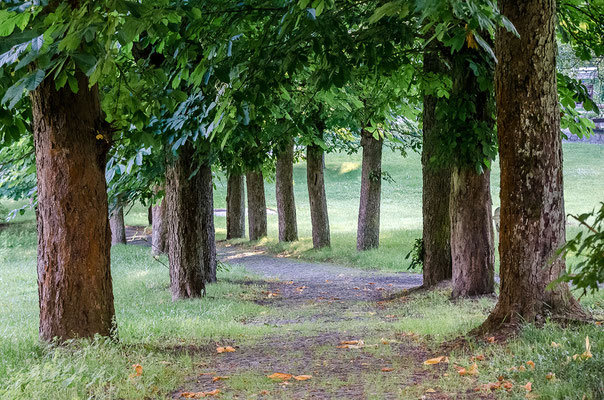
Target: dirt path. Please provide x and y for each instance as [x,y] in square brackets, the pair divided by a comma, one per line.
[315,307]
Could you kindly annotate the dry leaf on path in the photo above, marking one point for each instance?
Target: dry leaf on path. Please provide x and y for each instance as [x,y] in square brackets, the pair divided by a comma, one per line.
[227,349]
[430,390]
[491,339]
[219,378]
[199,395]
[279,376]
[349,342]
[386,369]
[302,377]
[479,357]
[436,360]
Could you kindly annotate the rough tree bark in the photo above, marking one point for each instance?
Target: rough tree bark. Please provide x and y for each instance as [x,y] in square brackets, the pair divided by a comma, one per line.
[472,248]
[435,191]
[284,187]
[185,226]
[256,205]
[530,149]
[235,206]
[207,216]
[159,233]
[74,238]
[116,223]
[368,230]
[316,196]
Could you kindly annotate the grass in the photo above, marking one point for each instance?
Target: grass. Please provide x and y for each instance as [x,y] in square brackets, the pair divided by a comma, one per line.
[153,331]
[401,214]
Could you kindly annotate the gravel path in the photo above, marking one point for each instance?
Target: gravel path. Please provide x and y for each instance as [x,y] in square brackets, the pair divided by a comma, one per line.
[334,281]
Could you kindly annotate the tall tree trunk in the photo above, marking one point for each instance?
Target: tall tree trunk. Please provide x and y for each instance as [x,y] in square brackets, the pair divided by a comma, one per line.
[256,205]
[316,196]
[532,202]
[286,202]
[235,215]
[472,248]
[74,238]
[368,230]
[435,191]
[185,226]
[207,215]
[116,222]
[150,215]
[159,232]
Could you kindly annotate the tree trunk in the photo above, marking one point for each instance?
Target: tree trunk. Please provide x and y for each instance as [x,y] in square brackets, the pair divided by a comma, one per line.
[185,226]
[150,215]
[532,202]
[316,196]
[235,215]
[286,202]
[116,222]
[74,238]
[368,231]
[435,191]
[256,205]
[159,232]
[207,215]
[472,249]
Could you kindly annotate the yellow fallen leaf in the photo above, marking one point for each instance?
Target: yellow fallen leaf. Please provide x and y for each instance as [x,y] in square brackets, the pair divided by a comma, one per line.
[472,370]
[436,360]
[556,345]
[279,376]
[521,368]
[227,349]
[302,377]
[219,378]
[349,342]
[430,390]
[587,353]
[531,364]
[528,386]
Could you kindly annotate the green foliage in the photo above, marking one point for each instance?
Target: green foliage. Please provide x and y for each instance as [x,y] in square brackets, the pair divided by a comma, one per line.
[417,255]
[588,247]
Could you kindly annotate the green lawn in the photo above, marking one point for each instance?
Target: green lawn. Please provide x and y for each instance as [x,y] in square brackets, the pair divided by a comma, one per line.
[401,212]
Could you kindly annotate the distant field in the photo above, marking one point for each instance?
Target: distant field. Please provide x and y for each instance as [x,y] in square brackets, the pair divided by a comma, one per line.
[401,216]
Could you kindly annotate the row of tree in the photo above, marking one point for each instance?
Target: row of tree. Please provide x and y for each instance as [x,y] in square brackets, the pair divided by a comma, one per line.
[151,96]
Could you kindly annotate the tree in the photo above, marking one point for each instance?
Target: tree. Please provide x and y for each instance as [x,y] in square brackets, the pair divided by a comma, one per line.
[207,217]
[116,223]
[368,230]
[436,186]
[235,218]
[256,205]
[184,192]
[316,190]
[532,203]
[284,187]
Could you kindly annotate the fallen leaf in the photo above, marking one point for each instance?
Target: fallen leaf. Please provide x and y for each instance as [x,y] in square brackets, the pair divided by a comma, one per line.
[587,354]
[289,283]
[264,392]
[489,386]
[138,371]
[302,377]
[436,360]
[530,364]
[212,393]
[430,390]
[227,349]
[472,370]
[371,283]
[491,339]
[280,376]
[386,369]
[521,368]
[528,386]
[390,316]
[219,378]
[479,357]
[598,322]
[556,345]
[507,385]
[550,376]
[349,342]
